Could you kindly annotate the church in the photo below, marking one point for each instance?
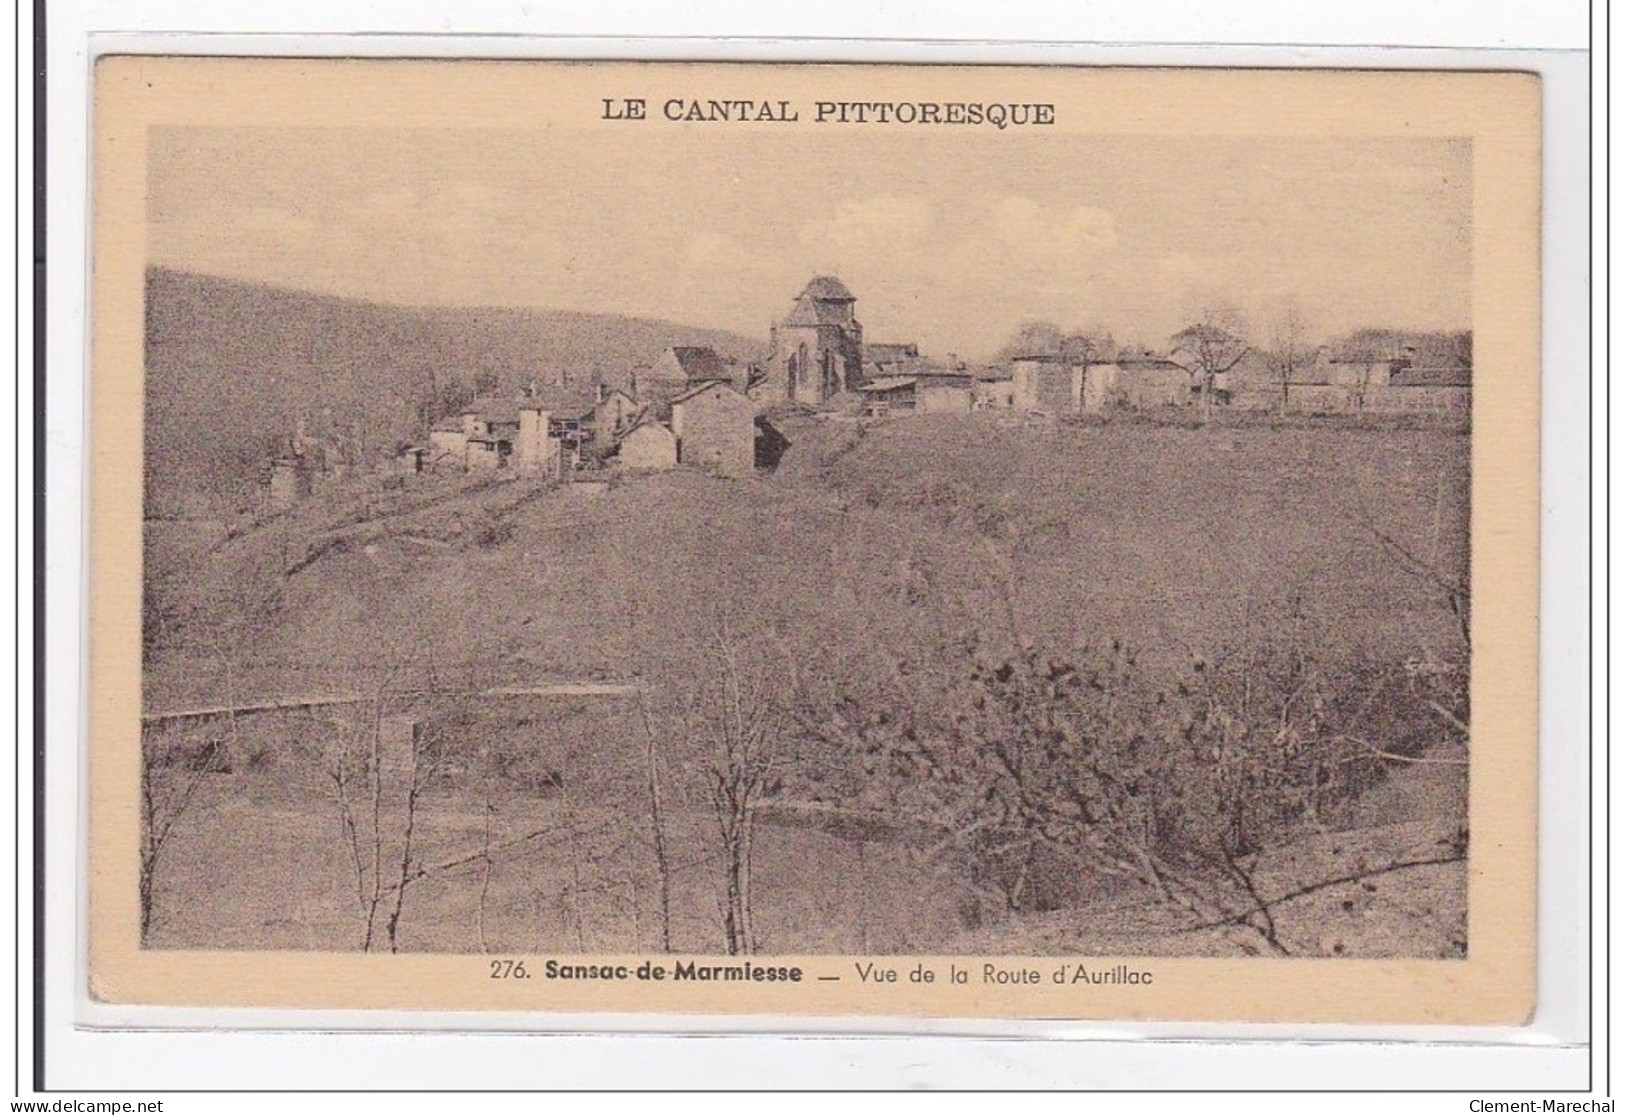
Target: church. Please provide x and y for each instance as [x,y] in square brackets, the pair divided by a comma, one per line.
[817,350]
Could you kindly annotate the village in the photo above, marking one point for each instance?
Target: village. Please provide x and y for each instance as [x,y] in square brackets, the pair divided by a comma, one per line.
[700,409]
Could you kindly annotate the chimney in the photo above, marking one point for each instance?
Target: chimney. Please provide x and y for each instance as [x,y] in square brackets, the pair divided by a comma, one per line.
[600,393]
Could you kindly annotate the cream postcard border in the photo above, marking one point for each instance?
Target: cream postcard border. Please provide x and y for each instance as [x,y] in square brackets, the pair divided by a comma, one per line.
[1500,112]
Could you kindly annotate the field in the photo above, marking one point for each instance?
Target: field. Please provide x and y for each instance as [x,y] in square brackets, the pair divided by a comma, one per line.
[807,642]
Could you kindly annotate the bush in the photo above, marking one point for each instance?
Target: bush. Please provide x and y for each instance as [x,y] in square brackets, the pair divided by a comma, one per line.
[1038,764]
[493,533]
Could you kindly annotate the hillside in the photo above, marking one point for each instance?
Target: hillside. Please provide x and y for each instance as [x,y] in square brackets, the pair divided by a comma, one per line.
[853,599]
[859,541]
[232,366]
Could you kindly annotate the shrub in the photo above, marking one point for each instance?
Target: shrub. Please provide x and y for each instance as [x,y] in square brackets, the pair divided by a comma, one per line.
[1033,761]
[493,533]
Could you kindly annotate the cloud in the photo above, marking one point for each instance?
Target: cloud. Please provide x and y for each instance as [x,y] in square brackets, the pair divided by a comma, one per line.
[1052,232]
[881,224]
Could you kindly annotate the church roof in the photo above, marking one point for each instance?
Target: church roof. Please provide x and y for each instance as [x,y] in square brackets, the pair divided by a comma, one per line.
[827,288]
[815,311]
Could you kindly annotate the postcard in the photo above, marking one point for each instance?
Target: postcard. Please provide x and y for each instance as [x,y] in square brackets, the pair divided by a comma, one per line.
[814,540]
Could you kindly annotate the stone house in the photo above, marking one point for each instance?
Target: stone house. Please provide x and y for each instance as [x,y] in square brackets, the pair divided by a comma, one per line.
[889,394]
[291,481]
[1331,385]
[1046,384]
[569,413]
[1381,372]
[1424,391]
[944,392]
[1099,386]
[1249,384]
[1146,381]
[495,434]
[448,444]
[715,427]
[649,445]
[993,389]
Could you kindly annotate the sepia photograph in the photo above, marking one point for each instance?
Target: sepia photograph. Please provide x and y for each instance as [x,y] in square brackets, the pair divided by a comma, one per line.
[715,516]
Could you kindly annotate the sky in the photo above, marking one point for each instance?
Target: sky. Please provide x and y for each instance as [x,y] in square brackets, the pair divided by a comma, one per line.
[949,242]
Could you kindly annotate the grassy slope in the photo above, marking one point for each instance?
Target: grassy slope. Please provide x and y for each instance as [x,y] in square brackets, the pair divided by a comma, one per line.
[1162,537]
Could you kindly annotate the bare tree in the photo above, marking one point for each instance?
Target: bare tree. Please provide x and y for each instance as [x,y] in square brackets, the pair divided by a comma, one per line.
[1211,348]
[1289,349]
[657,816]
[739,732]
[380,803]
[161,809]
[354,769]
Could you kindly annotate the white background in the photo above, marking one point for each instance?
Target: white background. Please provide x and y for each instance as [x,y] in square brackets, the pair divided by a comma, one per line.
[1550,1054]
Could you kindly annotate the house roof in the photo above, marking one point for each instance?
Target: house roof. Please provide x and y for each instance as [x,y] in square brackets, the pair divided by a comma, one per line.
[701,363]
[554,398]
[447,426]
[661,390]
[888,353]
[889,383]
[1148,360]
[492,409]
[648,422]
[1337,373]
[911,366]
[1431,377]
[701,388]
[1427,350]
[564,399]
